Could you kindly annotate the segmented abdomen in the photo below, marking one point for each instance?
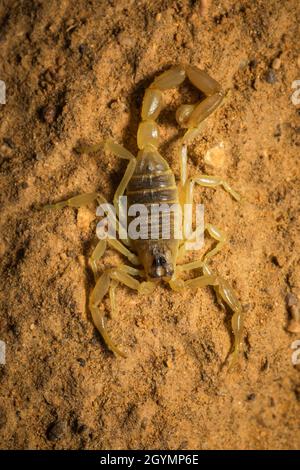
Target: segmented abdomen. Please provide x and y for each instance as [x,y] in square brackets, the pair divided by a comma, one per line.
[152,188]
[153,183]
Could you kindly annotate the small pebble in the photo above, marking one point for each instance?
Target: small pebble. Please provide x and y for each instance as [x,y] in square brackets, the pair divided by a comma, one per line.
[38,156]
[292,303]
[60,60]
[84,218]
[251,397]
[278,260]
[204,7]
[270,77]
[55,430]
[49,114]
[113,104]
[144,423]
[82,48]
[125,39]
[265,366]
[291,300]
[216,156]
[298,61]
[243,64]
[276,64]
[294,326]
[49,75]
[2,352]
[60,72]
[253,63]
[81,361]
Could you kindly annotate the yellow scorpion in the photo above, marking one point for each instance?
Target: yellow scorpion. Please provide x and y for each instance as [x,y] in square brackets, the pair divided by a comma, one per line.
[149,180]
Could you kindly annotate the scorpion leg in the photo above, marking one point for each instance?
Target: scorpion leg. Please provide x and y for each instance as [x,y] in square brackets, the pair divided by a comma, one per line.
[210,182]
[224,291]
[108,282]
[188,197]
[217,235]
[96,255]
[189,266]
[112,296]
[117,245]
[221,239]
[121,152]
[115,283]
[100,290]
[75,201]
[124,275]
[227,294]
[83,200]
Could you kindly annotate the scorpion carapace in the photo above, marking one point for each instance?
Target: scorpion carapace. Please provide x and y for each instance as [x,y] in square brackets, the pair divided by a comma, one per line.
[148,180]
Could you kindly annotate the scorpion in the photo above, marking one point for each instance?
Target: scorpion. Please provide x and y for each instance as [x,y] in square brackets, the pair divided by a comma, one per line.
[149,180]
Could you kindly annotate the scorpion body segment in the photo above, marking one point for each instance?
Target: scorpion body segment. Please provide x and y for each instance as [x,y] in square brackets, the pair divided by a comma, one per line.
[153,183]
[149,180]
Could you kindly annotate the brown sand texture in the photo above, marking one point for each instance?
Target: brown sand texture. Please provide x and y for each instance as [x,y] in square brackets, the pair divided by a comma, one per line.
[76,71]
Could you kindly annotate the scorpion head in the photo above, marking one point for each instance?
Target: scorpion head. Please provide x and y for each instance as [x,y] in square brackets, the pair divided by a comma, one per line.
[160,265]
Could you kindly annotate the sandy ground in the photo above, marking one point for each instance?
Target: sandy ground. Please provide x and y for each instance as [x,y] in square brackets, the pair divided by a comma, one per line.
[76,71]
